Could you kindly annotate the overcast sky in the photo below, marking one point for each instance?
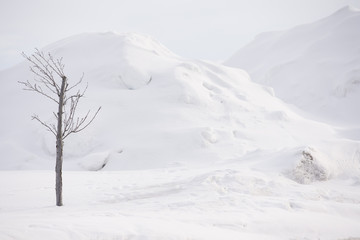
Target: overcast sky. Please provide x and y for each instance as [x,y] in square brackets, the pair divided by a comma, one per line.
[201,29]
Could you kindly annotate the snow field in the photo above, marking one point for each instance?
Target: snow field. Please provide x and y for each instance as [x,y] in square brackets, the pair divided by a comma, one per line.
[188,149]
[177,203]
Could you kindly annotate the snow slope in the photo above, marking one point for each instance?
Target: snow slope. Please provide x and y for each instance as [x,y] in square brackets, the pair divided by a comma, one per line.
[160,110]
[187,150]
[315,66]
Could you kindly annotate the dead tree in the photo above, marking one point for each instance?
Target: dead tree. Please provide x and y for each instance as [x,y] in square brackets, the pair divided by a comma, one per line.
[51,82]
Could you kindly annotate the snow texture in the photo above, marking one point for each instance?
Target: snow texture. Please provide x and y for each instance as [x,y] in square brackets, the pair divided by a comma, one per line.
[189,149]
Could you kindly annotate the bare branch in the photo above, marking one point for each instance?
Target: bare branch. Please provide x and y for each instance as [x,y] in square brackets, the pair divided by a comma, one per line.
[47,126]
[35,88]
[76,84]
[41,67]
[77,95]
[81,123]
[49,62]
[53,127]
[69,123]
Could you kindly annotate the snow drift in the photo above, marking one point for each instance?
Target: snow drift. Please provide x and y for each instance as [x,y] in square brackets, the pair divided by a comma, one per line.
[315,66]
[160,110]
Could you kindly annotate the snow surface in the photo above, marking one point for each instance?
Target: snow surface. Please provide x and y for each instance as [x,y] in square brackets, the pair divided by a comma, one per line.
[314,66]
[182,149]
[218,202]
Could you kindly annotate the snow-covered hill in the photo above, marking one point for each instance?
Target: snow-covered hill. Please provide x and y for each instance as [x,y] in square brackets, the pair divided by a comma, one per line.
[315,66]
[187,150]
[190,112]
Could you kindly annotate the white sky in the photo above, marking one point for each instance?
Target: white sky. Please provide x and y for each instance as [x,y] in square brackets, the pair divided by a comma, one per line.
[201,29]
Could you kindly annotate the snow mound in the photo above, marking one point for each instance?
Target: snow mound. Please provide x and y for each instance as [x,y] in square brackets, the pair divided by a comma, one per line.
[111,58]
[313,66]
[158,111]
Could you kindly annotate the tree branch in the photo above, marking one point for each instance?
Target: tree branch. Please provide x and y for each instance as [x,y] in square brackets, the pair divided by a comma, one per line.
[81,124]
[35,88]
[47,126]
[49,75]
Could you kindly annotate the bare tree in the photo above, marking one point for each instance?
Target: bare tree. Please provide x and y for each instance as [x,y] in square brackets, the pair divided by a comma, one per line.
[51,82]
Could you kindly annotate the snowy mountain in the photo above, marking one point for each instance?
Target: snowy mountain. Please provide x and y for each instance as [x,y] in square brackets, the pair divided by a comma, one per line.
[182,149]
[315,66]
[160,110]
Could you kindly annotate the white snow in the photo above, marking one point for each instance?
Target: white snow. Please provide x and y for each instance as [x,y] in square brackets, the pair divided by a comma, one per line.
[219,202]
[313,66]
[188,149]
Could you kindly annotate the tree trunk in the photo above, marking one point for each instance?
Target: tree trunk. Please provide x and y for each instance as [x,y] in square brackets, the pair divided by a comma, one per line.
[59,145]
